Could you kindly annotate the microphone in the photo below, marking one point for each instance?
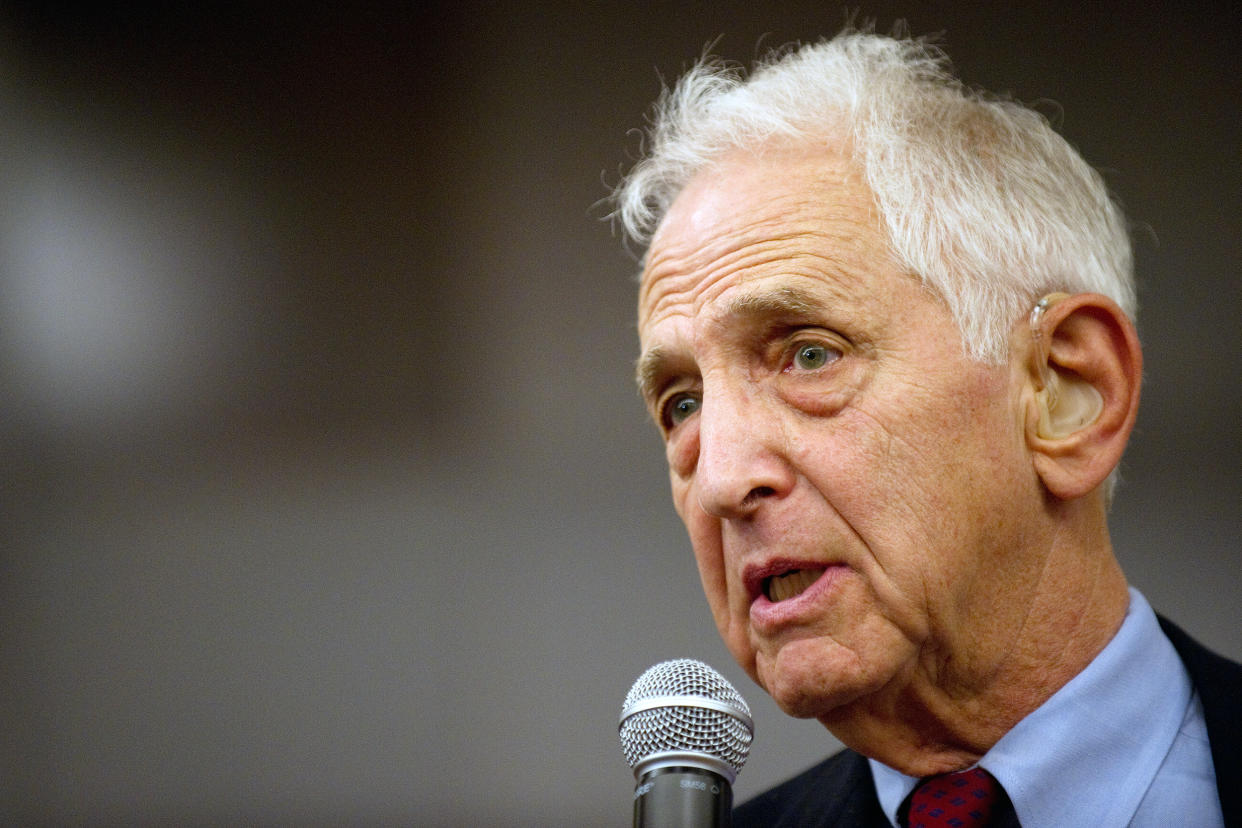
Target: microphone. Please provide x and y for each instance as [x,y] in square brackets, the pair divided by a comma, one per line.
[685,733]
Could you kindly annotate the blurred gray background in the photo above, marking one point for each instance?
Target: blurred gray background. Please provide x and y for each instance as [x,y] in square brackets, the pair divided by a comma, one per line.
[326,495]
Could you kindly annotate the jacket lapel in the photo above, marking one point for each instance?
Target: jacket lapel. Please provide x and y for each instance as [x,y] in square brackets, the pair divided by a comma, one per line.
[1219,682]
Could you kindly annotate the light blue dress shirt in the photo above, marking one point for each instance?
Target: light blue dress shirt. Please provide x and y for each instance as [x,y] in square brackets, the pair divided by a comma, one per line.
[1122,744]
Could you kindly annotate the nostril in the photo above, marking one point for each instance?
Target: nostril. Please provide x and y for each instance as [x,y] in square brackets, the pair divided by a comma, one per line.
[758,493]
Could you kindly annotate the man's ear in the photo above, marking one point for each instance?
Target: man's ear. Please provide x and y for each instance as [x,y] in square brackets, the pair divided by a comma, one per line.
[1084,370]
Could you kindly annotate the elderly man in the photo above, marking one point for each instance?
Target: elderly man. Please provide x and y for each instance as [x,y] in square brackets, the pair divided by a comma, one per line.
[887,336]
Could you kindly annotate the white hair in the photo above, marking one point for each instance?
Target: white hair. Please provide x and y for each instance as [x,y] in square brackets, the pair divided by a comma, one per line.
[981,198]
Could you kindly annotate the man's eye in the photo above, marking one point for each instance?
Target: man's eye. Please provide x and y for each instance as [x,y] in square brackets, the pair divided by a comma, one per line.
[678,408]
[813,356]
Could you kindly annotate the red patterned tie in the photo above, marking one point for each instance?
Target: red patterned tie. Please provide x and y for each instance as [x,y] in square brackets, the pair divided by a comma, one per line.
[960,800]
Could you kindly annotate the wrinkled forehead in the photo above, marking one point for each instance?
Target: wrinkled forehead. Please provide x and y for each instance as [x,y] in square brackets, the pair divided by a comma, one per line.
[743,215]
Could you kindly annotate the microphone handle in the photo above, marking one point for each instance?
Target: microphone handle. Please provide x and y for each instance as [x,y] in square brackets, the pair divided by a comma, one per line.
[683,797]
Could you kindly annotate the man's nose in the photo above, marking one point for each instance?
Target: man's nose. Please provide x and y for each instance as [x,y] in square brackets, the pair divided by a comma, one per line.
[741,461]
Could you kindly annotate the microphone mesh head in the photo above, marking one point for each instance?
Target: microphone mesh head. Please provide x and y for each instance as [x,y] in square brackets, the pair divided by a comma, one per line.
[681,722]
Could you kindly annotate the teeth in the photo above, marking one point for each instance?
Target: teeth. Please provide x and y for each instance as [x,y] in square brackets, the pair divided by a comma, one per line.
[790,584]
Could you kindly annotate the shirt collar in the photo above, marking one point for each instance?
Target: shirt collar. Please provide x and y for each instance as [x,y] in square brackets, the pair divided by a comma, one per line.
[1121,714]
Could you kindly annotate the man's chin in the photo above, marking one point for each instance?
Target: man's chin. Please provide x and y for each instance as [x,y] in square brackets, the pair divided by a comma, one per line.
[806,688]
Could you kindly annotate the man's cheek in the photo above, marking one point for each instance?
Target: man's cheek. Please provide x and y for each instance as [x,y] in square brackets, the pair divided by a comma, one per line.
[713,572]
[713,575]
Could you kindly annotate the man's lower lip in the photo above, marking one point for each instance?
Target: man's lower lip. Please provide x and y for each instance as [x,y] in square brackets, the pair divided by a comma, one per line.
[767,614]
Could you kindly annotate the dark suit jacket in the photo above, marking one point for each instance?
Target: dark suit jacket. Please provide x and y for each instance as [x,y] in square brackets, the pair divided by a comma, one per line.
[839,791]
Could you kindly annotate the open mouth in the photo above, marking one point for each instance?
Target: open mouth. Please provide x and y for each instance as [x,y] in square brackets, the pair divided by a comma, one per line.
[790,584]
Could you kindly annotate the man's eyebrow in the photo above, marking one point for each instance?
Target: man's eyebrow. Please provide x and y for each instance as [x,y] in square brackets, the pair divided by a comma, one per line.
[651,366]
[781,301]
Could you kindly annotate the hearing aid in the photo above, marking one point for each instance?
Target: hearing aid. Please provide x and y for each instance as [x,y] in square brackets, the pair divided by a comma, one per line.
[1066,402]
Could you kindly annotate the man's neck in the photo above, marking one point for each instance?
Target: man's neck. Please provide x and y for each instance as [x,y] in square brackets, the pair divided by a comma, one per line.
[958,701]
